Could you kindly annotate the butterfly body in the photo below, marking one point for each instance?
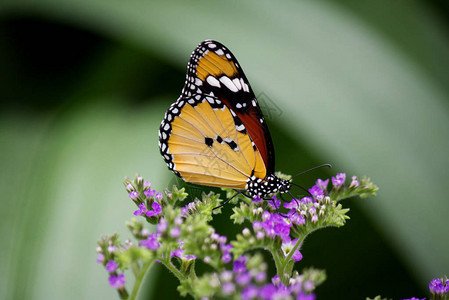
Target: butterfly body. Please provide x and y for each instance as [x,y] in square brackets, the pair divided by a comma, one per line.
[215,133]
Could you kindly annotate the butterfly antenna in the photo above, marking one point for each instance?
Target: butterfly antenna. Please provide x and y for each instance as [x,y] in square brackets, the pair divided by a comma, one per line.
[302,188]
[311,169]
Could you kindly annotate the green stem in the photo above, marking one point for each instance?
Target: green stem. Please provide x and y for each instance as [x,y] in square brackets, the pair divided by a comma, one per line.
[290,254]
[139,278]
[169,265]
[277,262]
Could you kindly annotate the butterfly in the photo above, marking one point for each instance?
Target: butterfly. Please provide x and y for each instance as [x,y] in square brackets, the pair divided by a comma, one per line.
[215,133]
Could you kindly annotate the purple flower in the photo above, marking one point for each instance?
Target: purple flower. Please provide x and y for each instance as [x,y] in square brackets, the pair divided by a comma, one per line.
[322,184]
[158,197]
[276,280]
[309,285]
[257,225]
[243,279]
[178,221]
[277,225]
[129,187]
[306,200]
[304,296]
[316,192]
[250,292]
[180,252]
[133,195]
[117,281]
[228,288]
[226,257]
[297,256]
[149,193]
[146,185]
[141,211]
[414,298]
[354,182]
[100,258]
[238,266]
[267,291]
[157,209]
[162,225]
[338,180]
[437,286]
[266,215]
[111,266]
[296,218]
[260,235]
[257,199]
[175,232]
[260,276]
[151,242]
[294,204]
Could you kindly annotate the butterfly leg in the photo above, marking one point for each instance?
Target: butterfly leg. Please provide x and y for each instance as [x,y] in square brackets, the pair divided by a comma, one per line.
[227,200]
[277,209]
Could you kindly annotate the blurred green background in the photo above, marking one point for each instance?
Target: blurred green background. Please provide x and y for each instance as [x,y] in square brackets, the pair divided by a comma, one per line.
[362,85]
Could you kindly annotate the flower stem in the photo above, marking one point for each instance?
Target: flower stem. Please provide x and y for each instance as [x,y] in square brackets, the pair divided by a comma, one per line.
[277,262]
[139,278]
[168,264]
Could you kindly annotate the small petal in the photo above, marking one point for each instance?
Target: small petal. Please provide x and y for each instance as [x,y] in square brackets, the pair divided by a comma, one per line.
[117,281]
[133,195]
[175,232]
[111,266]
[100,258]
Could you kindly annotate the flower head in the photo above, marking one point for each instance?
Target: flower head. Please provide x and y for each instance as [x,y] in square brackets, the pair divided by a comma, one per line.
[133,195]
[438,286]
[111,266]
[100,258]
[151,242]
[338,180]
[117,281]
[250,292]
[354,182]
[141,211]
[158,197]
[316,192]
[157,209]
[257,199]
[239,264]
[149,193]
[322,184]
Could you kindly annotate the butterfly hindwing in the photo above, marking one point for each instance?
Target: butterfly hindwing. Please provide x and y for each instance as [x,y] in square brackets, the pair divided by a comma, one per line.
[213,70]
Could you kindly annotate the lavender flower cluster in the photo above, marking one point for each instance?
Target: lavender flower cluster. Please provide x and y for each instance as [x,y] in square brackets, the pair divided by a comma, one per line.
[184,234]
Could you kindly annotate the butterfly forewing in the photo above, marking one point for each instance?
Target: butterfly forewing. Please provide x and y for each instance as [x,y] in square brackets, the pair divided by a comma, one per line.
[214,70]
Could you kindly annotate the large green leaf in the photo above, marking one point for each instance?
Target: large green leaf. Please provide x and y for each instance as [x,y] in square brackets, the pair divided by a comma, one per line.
[359,98]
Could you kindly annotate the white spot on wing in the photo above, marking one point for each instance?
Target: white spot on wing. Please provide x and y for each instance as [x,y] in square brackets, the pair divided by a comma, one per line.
[236,81]
[228,83]
[213,81]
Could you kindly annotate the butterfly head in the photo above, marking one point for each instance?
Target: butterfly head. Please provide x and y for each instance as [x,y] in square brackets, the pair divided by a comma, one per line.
[265,187]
